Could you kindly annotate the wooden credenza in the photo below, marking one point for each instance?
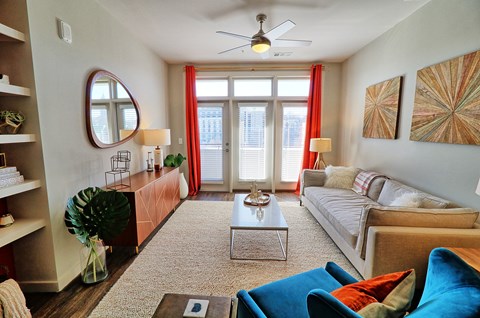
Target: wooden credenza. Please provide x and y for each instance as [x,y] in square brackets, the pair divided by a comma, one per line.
[152,195]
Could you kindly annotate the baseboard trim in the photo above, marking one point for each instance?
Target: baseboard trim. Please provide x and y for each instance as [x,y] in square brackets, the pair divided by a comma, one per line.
[39,286]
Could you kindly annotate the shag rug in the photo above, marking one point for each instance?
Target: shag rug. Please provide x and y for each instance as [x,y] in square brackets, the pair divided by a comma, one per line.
[190,254]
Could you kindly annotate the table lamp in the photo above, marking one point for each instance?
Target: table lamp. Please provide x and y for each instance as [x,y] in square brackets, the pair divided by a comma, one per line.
[320,145]
[157,137]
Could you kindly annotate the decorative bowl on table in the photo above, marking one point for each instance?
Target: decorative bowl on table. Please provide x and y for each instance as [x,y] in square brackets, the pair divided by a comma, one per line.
[257,200]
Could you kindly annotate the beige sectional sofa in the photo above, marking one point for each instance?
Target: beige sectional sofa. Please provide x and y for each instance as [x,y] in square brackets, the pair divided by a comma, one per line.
[378,238]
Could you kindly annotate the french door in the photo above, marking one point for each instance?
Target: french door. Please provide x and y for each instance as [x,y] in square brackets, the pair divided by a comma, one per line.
[214,123]
[252,145]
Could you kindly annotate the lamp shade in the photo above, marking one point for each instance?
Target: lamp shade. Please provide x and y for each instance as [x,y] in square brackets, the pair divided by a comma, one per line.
[478,188]
[320,145]
[156,137]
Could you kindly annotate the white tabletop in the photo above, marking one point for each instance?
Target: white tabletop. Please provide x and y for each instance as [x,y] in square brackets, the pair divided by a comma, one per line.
[249,217]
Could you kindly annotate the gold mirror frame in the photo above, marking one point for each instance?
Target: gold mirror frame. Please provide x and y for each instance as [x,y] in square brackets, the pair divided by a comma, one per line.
[96,142]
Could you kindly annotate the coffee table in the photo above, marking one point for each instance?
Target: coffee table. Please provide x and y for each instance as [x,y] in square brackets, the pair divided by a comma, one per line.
[173,306]
[248,218]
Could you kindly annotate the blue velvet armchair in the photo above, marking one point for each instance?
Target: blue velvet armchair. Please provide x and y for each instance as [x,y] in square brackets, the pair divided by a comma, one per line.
[452,289]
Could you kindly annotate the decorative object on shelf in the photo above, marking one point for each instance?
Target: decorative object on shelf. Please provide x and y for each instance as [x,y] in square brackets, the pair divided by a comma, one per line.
[176,161]
[3,160]
[320,145]
[10,121]
[4,79]
[447,102]
[9,176]
[94,215]
[149,162]
[120,165]
[157,137]
[6,220]
[382,101]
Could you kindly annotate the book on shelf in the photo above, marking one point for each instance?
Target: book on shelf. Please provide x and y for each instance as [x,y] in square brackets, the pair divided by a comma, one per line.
[7,170]
[11,181]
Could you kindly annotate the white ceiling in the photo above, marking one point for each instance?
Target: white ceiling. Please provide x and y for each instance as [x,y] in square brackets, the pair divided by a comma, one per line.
[183,31]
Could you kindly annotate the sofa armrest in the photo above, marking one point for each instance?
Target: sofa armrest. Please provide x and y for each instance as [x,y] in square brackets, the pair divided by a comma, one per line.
[247,307]
[322,304]
[375,215]
[312,178]
[395,248]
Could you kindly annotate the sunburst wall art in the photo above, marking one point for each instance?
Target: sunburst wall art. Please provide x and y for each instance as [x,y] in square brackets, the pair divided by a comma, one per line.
[447,102]
[381,109]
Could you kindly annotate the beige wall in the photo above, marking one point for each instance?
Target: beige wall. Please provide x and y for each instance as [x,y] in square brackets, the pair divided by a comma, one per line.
[440,30]
[61,71]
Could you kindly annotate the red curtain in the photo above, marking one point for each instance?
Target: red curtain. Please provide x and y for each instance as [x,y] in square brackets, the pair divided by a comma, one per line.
[193,133]
[314,113]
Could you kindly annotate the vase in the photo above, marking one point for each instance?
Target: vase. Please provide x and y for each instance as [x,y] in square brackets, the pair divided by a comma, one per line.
[183,186]
[93,261]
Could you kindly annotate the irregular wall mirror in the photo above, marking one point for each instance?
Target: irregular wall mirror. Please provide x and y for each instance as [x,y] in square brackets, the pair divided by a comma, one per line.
[112,114]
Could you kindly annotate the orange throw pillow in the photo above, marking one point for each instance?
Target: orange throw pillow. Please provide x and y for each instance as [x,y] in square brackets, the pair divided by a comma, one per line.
[359,295]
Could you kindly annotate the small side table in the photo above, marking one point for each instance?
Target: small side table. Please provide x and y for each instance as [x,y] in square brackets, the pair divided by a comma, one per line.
[471,256]
[173,306]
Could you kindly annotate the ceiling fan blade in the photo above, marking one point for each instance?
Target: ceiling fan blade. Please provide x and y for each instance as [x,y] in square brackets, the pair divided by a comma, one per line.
[290,43]
[243,37]
[235,48]
[279,30]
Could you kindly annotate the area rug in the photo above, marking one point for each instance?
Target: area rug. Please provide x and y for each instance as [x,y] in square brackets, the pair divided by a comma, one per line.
[190,254]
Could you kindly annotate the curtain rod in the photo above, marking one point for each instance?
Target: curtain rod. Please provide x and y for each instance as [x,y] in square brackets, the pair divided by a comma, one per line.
[253,68]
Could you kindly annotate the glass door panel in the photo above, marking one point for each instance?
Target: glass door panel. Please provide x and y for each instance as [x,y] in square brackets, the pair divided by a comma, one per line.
[213,146]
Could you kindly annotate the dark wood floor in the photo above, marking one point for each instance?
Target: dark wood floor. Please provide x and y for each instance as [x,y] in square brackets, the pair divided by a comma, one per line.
[78,300]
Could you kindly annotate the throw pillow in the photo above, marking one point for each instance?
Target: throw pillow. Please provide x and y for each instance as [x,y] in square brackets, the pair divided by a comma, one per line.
[340,177]
[388,295]
[408,199]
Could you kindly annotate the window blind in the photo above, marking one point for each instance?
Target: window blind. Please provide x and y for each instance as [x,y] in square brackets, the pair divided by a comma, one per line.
[252,152]
[210,121]
[293,138]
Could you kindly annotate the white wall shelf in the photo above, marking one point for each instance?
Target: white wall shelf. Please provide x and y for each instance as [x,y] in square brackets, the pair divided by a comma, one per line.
[27,185]
[16,138]
[7,90]
[9,34]
[19,229]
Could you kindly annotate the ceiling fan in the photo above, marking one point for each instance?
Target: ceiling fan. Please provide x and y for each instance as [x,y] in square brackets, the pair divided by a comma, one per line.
[262,41]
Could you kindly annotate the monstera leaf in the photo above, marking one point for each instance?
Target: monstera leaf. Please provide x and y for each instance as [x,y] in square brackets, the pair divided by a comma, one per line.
[95,212]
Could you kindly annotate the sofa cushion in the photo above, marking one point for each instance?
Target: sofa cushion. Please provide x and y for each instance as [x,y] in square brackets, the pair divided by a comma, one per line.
[376,187]
[389,295]
[459,218]
[408,199]
[341,207]
[393,189]
[340,177]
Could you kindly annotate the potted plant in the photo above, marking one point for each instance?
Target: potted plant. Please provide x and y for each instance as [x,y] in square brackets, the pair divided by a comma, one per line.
[176,161]
[94,215]
[10,121]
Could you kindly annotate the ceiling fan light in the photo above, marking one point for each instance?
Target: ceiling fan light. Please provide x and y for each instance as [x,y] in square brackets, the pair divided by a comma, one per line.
[260,44]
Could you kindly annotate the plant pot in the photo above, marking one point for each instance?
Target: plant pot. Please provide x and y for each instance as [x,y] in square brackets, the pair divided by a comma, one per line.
[183,186]
[93,262]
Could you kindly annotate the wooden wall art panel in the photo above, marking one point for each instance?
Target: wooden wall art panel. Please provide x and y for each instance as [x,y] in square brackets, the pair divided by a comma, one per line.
[382,101]
[447,102]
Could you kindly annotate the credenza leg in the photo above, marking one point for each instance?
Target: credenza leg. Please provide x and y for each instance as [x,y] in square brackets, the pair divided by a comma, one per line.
[136,250]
